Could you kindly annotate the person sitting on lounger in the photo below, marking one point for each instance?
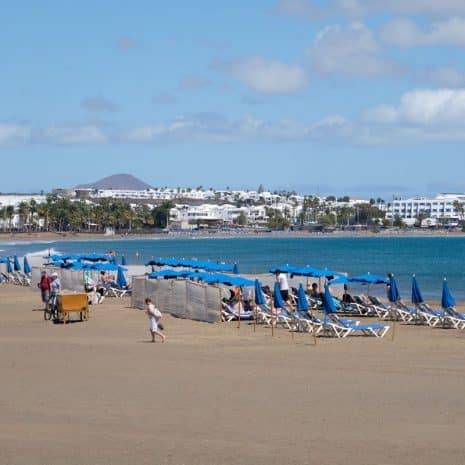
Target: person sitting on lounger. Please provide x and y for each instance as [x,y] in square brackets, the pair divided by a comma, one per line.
[347,298]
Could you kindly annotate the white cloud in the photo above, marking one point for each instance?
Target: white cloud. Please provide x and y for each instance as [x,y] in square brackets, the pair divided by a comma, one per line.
[442,107]
[73,135]
[12,134]
[267,76]
[406,33]
[352,51]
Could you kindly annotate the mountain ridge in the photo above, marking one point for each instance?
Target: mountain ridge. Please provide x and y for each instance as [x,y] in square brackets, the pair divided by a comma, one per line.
[117,181]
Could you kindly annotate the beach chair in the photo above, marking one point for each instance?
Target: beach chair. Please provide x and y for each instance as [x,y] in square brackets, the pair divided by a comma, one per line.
[405,313]
[383,311]
[453,318]
[342,329]
[117,292]
[232,313]
[430,316]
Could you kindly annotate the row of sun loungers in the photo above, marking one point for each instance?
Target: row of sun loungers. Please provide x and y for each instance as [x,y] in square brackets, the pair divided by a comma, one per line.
[16,277]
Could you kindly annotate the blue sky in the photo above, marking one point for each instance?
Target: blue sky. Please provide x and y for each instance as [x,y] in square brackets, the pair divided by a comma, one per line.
[358,97]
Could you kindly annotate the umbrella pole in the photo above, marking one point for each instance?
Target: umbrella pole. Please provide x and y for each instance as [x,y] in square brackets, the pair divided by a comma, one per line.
[221,306]
[272,315]
[240,304]
[313,324]
[255,318]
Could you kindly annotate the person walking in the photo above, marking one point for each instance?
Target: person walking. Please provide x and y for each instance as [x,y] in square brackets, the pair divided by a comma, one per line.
[44,286]
[154,316]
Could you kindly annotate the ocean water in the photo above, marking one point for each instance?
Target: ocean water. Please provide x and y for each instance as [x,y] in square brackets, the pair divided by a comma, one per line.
[430,258]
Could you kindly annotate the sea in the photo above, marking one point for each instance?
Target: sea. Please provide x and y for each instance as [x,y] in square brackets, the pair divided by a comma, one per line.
[431,259]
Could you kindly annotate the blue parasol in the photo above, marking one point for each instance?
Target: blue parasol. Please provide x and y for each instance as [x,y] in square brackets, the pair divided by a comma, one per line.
[393,294]
[236,269]
[123,261]
[259,298]
[26,266]
[302,302]
[278,301]
[328,302]
[16,265]
[447,300]
[417,298]
[121,281]
[9,268]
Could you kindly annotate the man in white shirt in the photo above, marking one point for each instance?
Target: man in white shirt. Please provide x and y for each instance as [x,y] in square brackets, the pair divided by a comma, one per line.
[283,285]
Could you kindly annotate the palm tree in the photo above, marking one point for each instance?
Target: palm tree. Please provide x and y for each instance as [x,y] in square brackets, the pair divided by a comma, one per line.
[10,213]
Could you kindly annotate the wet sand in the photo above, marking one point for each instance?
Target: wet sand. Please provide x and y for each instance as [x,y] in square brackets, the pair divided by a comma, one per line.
[98,393]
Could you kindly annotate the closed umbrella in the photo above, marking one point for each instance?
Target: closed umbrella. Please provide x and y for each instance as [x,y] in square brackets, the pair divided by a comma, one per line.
[259,298]
[447,300]
[278,301]
[328,303]
[302,302]
[16,265]
[393,294]
[26,266]
[121,281]
[417,298]
[123,261]
[236,269]
[9,268]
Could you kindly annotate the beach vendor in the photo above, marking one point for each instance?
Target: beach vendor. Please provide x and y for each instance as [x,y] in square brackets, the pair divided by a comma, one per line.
[44,286]
[154,316]
[283,285]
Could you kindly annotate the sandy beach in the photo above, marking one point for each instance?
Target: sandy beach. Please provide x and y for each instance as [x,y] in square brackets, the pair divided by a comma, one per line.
[98,393]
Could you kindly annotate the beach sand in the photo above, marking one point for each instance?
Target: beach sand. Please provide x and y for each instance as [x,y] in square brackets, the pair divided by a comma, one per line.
[70,236]
[98,393]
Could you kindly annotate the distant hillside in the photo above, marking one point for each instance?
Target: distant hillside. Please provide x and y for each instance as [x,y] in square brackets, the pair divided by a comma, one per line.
[117,181]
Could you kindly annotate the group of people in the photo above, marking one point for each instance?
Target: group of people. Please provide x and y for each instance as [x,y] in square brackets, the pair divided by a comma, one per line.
[50,287]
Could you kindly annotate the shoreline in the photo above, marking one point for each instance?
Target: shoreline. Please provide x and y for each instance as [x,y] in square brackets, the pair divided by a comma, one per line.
[58,237]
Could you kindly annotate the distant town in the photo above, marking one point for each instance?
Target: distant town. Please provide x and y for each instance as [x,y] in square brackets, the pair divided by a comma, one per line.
[117,209]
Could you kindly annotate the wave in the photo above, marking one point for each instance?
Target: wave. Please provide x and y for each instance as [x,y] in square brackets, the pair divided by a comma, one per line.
[43,252]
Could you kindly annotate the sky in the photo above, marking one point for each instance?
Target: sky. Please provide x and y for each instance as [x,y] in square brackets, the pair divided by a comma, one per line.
[357,97]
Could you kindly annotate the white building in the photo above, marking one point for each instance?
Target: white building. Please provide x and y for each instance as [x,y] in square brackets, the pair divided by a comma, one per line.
[441,206]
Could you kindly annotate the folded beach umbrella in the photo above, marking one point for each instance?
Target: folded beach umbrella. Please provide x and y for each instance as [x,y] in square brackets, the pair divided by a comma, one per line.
[315,272]
[278,301]
[447,300]
[120,278]
[26,266]
[283,269]
[393,294]
[417,298]
[235,269]
[16,265]
[9,268]
[368,279]
[302,302]
[328,302]
[259,298]
[123,260]
[167,274]
[106,267]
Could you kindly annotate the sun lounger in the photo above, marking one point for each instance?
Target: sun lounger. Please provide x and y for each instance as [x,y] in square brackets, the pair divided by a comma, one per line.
[232,313]
[453,318]
[342,329]
[430,316]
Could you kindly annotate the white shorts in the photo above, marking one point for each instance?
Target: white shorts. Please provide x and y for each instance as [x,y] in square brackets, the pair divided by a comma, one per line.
[153,325]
